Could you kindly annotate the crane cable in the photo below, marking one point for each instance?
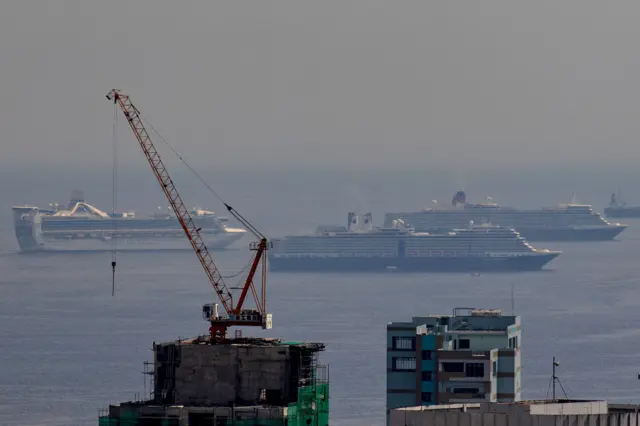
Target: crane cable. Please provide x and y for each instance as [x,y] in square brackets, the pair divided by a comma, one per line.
[212,191]
[184,161]
[114,199]
[237,215]
[240,272]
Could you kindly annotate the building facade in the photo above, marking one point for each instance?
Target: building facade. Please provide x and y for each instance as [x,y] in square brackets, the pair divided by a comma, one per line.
[470,356]
[524,413]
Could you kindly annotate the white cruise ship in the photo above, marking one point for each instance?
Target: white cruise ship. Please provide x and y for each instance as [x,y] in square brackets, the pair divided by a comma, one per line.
[82,227]
[566,222]
[398,247]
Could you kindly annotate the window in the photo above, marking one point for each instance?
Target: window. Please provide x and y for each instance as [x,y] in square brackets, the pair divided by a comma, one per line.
[474,369]
[452,367]
[466,390]
[427,376]
[426,355]
[464,344]
[495,368]
[404,343]
[513,342]
[426,397]
[404,364]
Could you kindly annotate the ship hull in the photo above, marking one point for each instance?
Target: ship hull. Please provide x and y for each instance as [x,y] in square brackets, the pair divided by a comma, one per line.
[621,213]
[572,234]
[213,242]
[433,264]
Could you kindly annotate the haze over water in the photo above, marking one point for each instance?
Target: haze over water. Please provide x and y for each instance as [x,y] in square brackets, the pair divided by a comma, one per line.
[68,348]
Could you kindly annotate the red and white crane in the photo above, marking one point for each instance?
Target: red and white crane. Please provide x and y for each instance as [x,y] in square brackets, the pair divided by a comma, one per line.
[234,312]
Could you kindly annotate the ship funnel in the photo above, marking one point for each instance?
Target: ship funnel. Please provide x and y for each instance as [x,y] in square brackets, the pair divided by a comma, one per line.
[459,198]
[367,221]
[352,221]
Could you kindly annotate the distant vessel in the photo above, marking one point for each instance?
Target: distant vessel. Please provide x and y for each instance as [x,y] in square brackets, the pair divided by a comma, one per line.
[82,226]
[399,248]
[617,209]
[566,222]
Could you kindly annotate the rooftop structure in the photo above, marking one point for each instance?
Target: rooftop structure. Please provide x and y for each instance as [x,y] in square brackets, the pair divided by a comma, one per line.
[523,413]
[470,356]
[242,382]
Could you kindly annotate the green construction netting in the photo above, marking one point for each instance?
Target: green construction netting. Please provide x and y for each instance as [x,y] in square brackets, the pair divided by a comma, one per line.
[312,408]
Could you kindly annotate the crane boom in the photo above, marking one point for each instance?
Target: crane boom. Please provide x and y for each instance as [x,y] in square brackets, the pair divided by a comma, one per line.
[235,315]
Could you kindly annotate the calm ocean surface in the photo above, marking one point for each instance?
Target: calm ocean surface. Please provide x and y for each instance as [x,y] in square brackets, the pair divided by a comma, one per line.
[68,349]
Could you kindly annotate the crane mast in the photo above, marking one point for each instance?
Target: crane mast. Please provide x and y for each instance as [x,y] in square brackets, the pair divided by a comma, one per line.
[235,315]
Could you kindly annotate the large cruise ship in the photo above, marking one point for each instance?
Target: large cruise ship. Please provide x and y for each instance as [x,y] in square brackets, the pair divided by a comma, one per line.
[474,248]
[82,226]
[566,222]
[620,209]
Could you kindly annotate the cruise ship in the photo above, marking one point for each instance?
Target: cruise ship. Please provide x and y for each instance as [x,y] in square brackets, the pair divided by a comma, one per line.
[82,227]
[565,222]
[618,209]
[475,248]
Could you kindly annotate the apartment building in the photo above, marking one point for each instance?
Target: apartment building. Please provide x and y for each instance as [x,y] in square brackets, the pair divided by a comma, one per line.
[472,355]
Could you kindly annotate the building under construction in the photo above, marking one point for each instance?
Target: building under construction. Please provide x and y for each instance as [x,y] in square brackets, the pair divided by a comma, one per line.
[244,382]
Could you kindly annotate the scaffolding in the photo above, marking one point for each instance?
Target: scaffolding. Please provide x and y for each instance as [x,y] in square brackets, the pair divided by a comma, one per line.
[311,409]
[302,399]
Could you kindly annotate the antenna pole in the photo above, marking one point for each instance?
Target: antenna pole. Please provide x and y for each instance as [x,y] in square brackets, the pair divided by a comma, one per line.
[113,278]
[554,379]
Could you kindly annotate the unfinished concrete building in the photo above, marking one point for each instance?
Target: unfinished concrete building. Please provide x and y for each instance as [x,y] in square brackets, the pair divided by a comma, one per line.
[245,382]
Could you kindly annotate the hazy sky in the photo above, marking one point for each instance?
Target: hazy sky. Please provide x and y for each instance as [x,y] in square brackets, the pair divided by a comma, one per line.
[324,84]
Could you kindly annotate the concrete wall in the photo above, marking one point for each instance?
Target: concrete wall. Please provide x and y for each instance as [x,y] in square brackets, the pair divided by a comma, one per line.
[401,385]
[585,413]
[429,342]
[400,418]
[587,407]
[227,374]
[401,380]
[484,342]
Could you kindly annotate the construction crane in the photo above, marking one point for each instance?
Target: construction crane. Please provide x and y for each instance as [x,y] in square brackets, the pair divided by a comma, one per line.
[234,314]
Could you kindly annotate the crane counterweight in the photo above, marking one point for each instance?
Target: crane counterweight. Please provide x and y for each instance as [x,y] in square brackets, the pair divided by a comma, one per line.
[235,315]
